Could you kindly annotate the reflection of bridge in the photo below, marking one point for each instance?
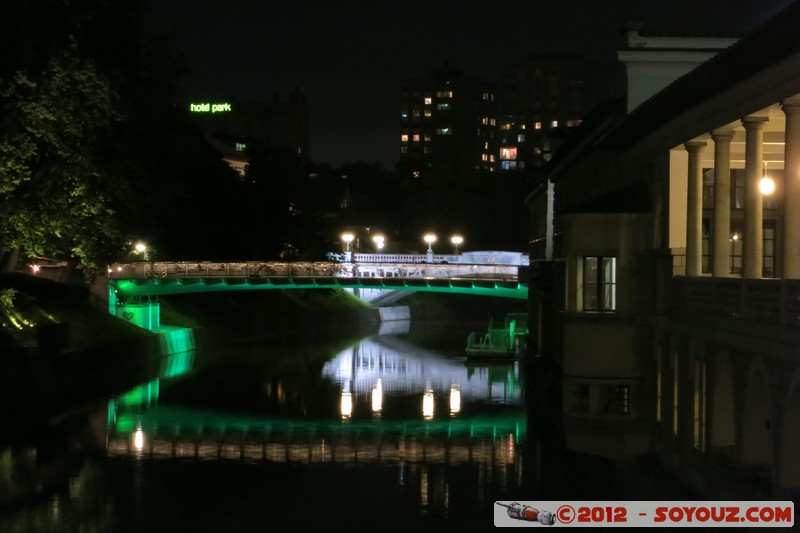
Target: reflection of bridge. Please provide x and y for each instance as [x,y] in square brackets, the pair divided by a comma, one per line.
[134,287]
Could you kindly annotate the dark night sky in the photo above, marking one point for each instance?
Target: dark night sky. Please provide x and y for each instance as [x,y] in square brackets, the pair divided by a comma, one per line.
[349,58]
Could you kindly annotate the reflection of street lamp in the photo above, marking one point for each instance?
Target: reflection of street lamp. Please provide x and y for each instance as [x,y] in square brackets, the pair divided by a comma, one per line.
[346,404]
[430,238]
[379,241]
[456,240]
[427,405]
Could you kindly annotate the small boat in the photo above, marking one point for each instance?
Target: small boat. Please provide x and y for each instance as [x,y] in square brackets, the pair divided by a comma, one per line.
[499,343]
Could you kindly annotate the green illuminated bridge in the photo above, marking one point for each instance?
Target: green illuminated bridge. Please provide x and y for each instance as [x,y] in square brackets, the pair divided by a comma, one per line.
[134,287]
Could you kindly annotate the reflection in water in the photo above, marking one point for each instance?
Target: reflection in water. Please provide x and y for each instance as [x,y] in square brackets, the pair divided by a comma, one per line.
[384,423]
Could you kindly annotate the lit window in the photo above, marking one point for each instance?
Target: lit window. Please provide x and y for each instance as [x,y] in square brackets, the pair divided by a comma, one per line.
[404,149]
[491,158]
[443,105]
[492,122]
[444,131]
[522,126]
[415,138]
[241,147]
[521,138]
[508,152]
[427,137]
[573,123]
[428,100]
[444,94]
[508,165]
[505,126]
[485,120]
[554,124]
[486,146]
[428,113]
[403,115]
[537,125]
[404,138]
[484,157]
[599,283]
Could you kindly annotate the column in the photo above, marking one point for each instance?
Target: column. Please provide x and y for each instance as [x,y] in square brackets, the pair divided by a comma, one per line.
[753,244]
[721,254]
[791,193]
[694,211]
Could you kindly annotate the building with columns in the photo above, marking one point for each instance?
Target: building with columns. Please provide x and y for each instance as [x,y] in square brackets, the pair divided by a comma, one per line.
[667,281]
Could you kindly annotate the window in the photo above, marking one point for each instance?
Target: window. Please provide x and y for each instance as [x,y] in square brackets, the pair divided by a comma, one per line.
[768,243]
[428,113]
[708,188]
[428,100]
[537,125]
[737,182]
[554,124]
[508,152]
[444,94]
[415,112]
[599,283]
[444,131]
[485,120]
[241,147]
[736,246]
[443,106]
[508,165]
[415,138]
[506,126]
[521,138]
[427,137]
[404,138]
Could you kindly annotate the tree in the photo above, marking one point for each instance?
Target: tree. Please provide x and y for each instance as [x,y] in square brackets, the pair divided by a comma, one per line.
[53,201]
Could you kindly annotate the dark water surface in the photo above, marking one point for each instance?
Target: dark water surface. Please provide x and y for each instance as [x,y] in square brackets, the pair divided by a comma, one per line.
[395,431]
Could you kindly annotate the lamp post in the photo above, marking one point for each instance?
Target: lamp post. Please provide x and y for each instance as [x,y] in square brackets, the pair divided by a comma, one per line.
[347,238]
[430,238]
[379,241]
[456,240]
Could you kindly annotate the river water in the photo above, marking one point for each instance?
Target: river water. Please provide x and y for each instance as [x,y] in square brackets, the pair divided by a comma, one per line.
[394,430]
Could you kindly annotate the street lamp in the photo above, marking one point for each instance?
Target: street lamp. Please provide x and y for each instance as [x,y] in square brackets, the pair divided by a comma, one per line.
[430,238]
[767,184]
[140,247]
[348,238]
[379,241]
[456,240]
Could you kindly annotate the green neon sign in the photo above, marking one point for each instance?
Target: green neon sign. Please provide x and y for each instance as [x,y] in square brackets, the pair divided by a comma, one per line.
[207,107]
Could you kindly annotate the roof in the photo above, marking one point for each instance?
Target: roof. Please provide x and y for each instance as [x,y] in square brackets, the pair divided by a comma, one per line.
[767,45]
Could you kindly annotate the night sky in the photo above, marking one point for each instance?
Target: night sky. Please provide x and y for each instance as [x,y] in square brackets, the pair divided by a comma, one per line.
[350,58]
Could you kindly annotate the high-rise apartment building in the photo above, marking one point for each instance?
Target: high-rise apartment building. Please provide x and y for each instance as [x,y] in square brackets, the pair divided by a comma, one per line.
[448,120]
[540,101]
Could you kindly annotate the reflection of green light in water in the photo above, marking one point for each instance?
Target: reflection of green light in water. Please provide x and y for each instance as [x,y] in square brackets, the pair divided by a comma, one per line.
[188,422]
[176,340]
[177,364]
[141,396]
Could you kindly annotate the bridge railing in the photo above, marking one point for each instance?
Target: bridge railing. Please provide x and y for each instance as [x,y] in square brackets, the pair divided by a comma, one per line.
[303,269]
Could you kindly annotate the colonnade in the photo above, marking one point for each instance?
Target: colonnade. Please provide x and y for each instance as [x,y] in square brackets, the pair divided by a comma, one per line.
[752,253]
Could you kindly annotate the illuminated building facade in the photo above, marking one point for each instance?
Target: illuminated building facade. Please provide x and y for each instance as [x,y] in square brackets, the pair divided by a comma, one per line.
[448,119]
[666,279]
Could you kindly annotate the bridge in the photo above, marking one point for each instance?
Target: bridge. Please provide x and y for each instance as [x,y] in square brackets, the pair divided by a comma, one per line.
[134,288]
